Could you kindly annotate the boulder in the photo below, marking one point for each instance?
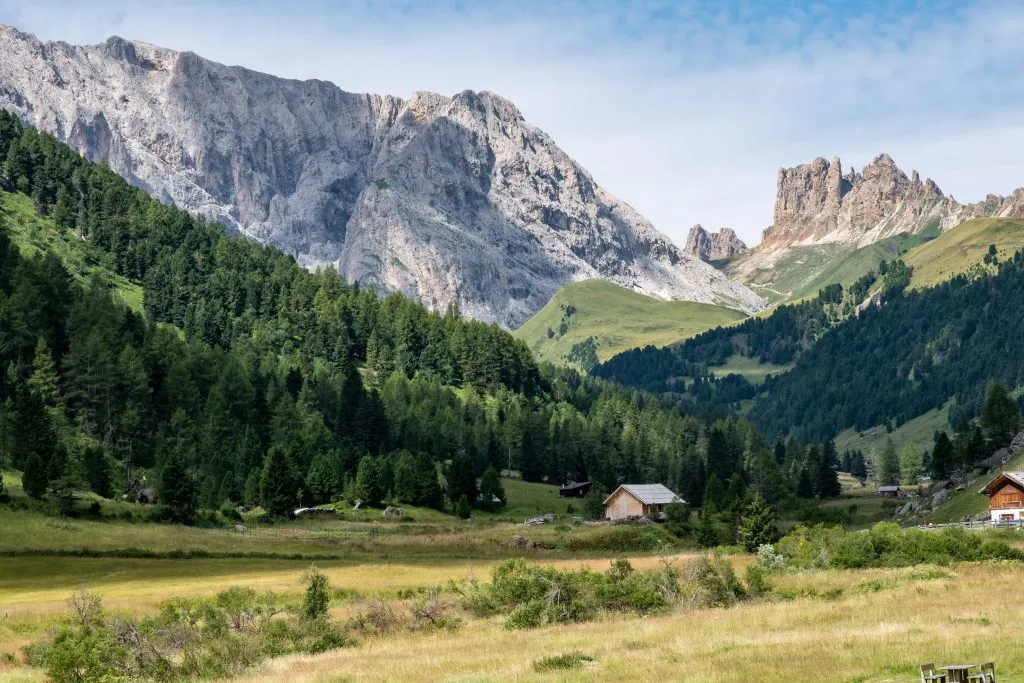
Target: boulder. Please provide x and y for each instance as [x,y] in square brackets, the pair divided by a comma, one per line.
[940,497]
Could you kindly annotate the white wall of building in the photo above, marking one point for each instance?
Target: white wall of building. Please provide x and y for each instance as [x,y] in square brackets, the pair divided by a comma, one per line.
[1015,514]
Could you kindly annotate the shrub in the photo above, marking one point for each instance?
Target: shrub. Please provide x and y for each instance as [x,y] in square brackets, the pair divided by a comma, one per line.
[757,580]
[771,560]
[710,582]
[318,594]
[566,662]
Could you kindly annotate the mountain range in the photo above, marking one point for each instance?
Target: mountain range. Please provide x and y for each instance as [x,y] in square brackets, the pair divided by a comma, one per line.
[451,200]
[827,221]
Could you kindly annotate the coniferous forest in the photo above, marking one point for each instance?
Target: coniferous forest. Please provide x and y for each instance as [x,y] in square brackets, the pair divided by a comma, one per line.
[247,379]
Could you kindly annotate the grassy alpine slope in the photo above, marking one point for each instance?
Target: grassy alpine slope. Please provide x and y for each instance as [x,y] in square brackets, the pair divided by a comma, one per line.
[616,318]
[962,249]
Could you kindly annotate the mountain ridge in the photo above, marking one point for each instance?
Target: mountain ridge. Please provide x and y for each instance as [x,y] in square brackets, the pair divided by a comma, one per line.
[452,200]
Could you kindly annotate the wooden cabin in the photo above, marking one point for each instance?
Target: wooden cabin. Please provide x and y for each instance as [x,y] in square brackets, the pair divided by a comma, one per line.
[574,489]
[890,491]
[1006,497]
[639,500]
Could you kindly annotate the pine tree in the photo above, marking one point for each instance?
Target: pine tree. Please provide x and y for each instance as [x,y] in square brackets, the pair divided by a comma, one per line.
[757,527]
[889,465]
[943,456]
[461,480]
[911,464]
[714,493]
[1000,417]
[827,480]
[97,471]
[33,479]
[462,508]
[428,488]
[530,466]
[322,481]
[279,488]
[44,382]
[178,491]
[804,485]
[707,534]
[492,493]
[368,482]
[4,497]
[593,503]
[404,487]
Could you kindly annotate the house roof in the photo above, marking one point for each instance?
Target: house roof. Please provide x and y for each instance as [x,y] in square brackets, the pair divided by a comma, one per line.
[888,489]
[574,485]
[1016,478]
[648,494]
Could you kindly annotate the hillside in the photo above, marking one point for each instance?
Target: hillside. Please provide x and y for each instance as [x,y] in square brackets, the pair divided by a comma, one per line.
[616,319]
[963,249]
[799,272]
[33,234]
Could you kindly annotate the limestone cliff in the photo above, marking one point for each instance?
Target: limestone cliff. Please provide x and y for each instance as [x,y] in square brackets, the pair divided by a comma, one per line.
[451,200]
[714,246]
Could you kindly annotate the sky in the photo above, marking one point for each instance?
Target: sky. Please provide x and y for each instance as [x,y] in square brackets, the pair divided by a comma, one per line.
[685,110]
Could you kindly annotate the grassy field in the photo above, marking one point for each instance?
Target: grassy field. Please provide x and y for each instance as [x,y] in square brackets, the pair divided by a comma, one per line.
[33,233]
[754,371]
[867,625]
[963,248]
[617,319]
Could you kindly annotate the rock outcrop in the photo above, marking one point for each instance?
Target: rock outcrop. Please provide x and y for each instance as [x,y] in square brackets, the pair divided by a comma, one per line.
[714,246]
[451,200]
[817,204]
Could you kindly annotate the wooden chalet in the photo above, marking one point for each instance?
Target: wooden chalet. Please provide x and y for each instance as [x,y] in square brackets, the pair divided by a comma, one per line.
[574,489]
[1006,497]
[639,500]
[890,491]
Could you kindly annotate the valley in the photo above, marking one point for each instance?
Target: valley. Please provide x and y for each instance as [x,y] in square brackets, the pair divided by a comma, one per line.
[310,385]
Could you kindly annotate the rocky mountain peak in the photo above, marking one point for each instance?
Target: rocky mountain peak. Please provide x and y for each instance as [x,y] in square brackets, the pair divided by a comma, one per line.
[716,246]
[815,203]
[446,199]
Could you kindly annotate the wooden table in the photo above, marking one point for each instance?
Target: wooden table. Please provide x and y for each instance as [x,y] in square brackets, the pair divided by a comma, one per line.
[958,672]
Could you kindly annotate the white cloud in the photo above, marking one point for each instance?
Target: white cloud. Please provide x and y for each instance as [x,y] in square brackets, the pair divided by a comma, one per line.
[687,118]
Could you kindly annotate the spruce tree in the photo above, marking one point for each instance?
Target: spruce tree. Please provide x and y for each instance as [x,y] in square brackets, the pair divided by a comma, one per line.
[461,479]
[3,490]
[428,488]
[943,456]
[1000,417]
[826,483]
[757,527]
[368,482]
[279,488]
[34,478]
[97,471]
[911,464]
[804,485]
[492,493]
[462,508]
[707,534]
[404,487]
[889,465]
[178,491]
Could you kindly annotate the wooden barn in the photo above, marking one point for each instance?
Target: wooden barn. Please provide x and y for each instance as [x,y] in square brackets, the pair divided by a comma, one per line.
[890,491]
[639,500]
[574,489]
[1006,497]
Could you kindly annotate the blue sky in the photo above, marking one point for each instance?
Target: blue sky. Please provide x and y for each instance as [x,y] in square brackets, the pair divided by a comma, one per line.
[685,110]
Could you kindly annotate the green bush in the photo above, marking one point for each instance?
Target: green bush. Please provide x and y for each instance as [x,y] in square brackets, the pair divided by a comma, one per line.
[887,545]
[566,662]
[189,639]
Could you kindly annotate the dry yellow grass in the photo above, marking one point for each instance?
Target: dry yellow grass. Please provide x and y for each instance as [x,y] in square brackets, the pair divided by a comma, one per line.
[867,626]
[863,636]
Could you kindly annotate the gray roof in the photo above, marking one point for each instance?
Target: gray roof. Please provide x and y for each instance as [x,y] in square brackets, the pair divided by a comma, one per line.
[1016,477]
[650,494]
[886,489]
